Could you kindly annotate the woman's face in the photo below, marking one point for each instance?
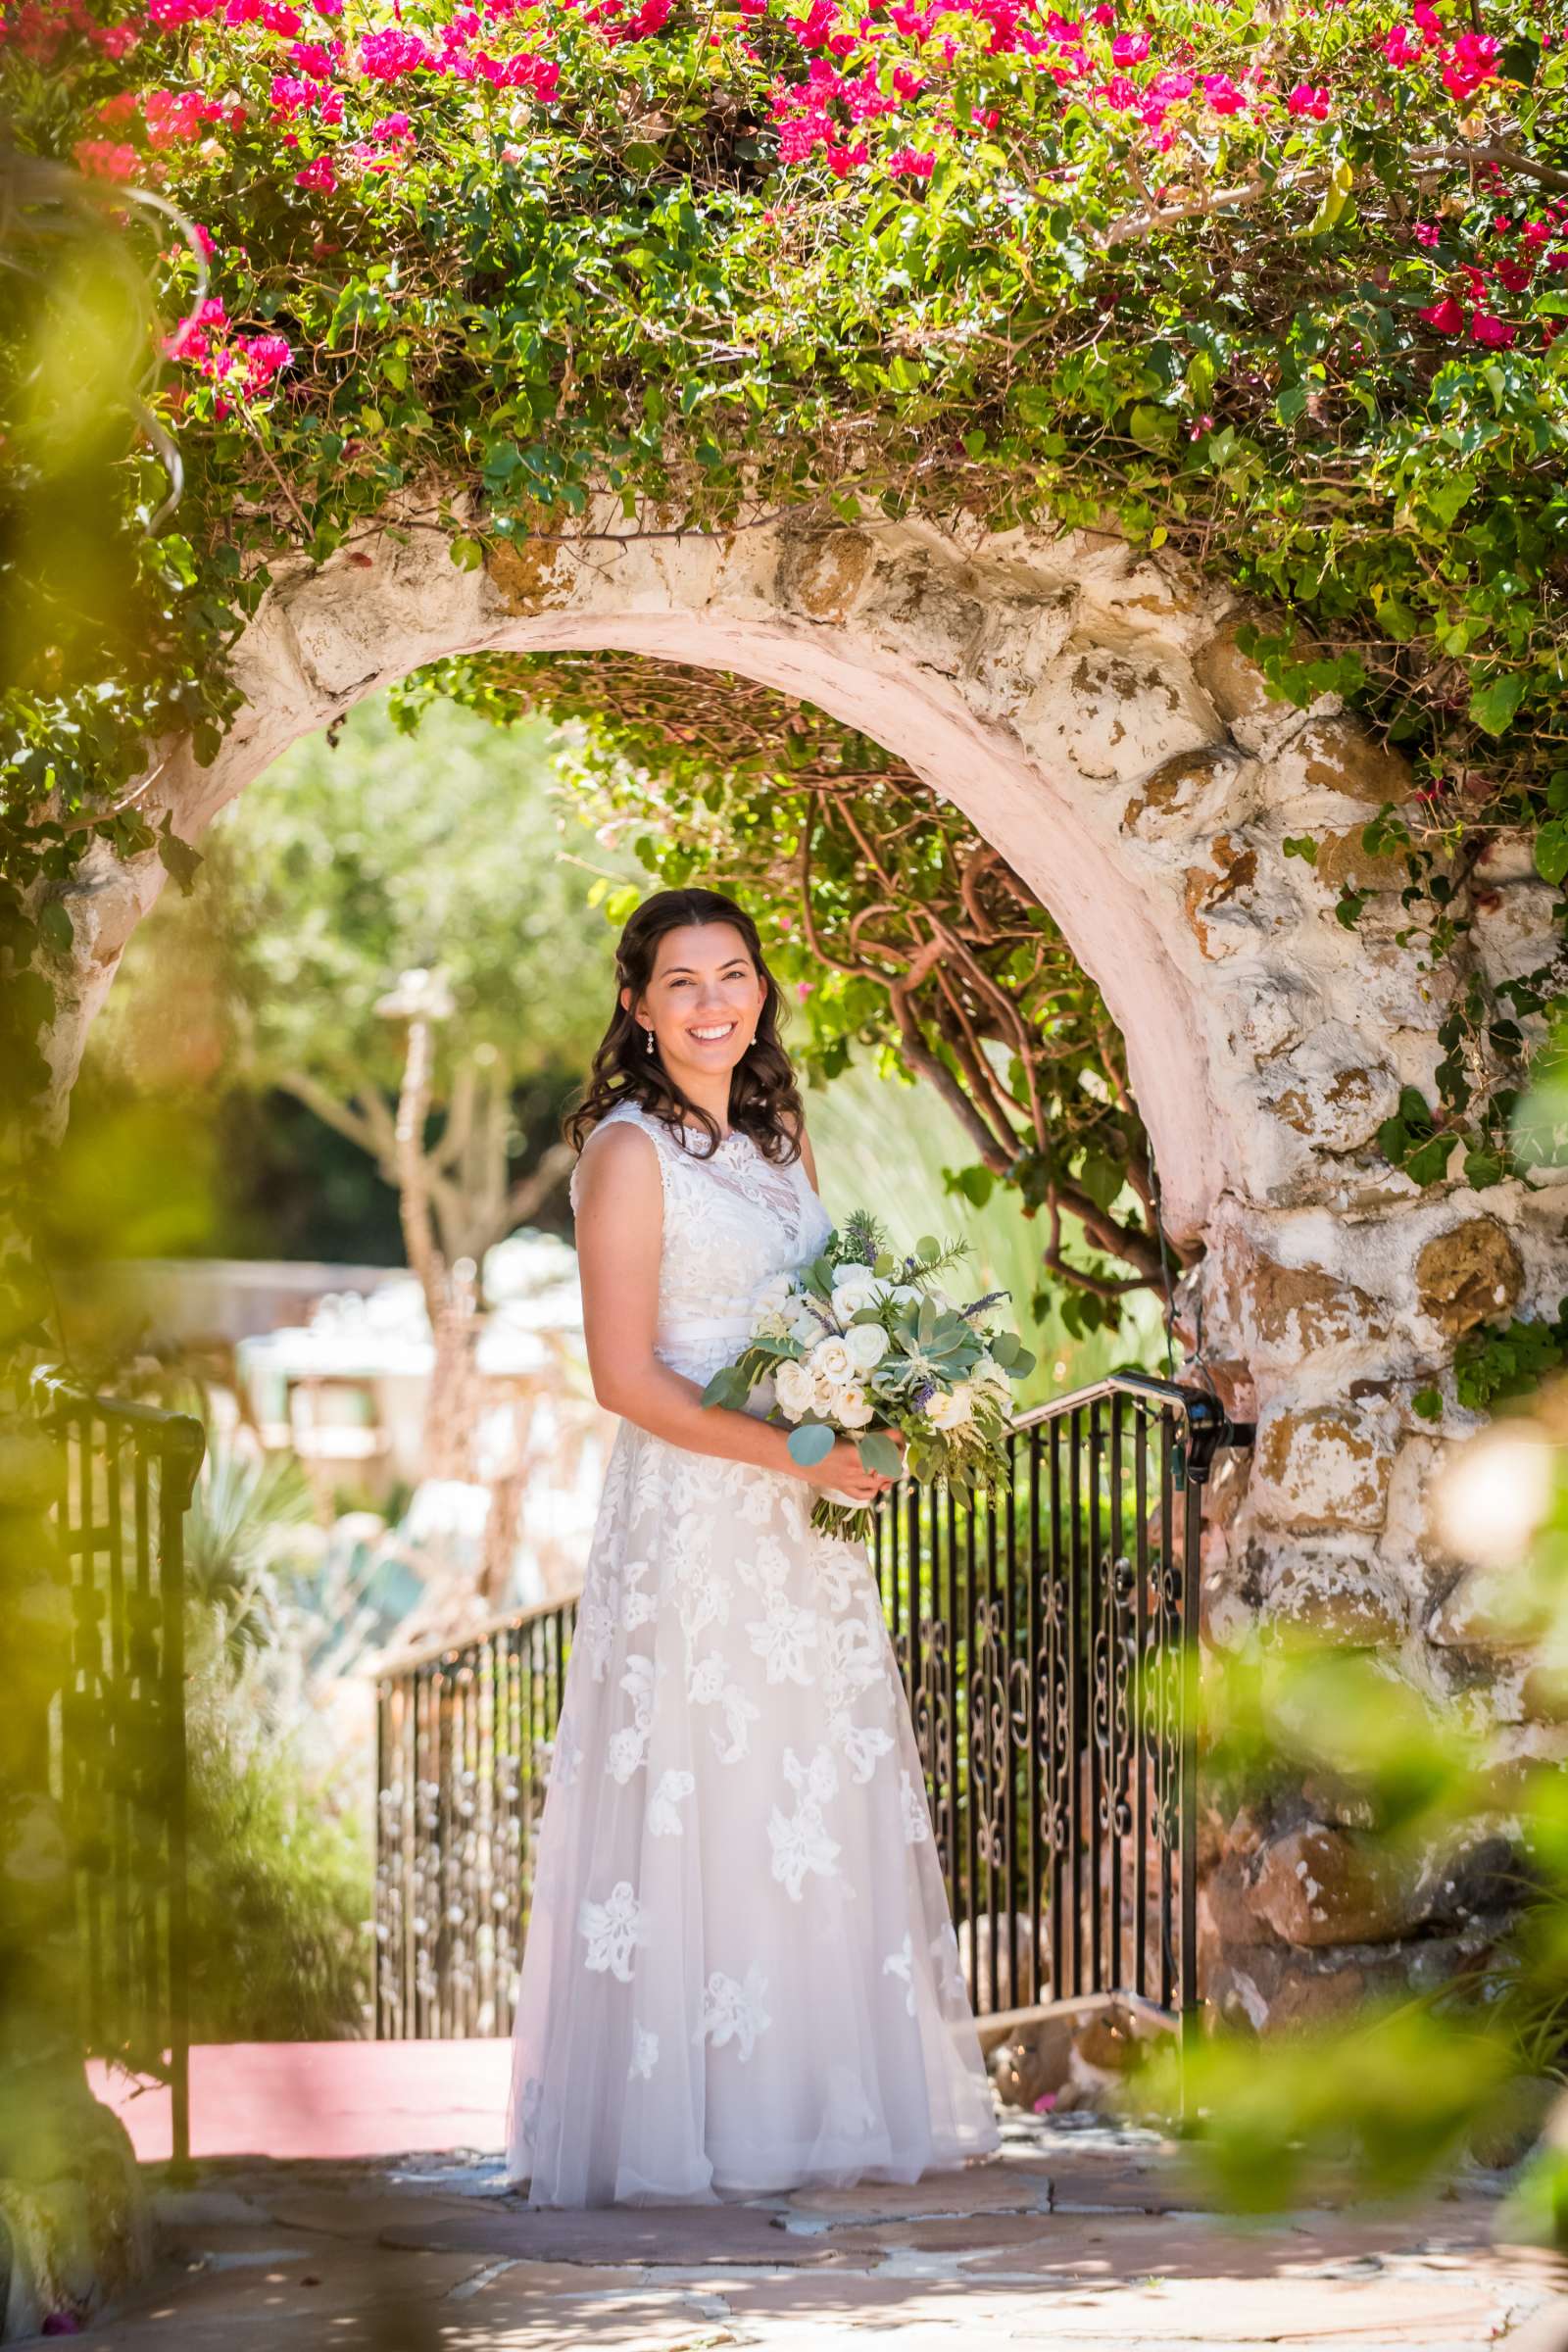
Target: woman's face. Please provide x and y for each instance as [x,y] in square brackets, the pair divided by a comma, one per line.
[703,1001]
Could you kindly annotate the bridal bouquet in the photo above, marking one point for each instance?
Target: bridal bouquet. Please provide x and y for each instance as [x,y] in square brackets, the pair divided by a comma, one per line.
[863,1344]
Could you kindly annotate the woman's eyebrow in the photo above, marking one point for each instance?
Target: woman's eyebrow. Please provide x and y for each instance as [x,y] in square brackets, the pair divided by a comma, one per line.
[685,971]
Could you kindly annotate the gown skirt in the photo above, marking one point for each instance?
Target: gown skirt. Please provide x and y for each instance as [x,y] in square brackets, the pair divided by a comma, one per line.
[740,1973]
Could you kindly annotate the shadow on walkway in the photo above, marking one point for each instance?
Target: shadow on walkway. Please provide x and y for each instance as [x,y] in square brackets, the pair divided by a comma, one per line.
[1080,2234]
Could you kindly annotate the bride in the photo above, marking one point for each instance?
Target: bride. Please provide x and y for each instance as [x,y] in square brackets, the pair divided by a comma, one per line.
[740,1972]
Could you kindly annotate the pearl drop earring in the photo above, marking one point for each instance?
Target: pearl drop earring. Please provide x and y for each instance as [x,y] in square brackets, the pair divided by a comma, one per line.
[648,1033]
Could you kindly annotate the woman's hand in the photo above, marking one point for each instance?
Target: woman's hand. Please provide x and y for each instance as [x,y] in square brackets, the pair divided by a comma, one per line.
[842,1472]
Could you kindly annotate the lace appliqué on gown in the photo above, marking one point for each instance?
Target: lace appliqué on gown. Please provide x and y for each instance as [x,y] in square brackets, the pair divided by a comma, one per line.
[740,1972]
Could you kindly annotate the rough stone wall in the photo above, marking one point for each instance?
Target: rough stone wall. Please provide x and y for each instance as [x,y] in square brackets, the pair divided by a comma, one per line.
[1095,719]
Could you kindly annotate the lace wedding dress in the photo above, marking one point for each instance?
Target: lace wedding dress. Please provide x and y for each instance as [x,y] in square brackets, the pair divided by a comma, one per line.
[740,1972]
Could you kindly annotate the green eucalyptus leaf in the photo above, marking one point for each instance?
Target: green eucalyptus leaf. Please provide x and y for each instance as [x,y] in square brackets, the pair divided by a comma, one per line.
[812,1442]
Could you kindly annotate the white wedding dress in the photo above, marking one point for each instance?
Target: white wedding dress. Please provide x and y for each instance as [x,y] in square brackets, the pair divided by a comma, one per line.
[740,1972]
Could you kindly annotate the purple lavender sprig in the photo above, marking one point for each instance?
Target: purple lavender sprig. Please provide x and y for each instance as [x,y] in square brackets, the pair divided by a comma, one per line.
[979,1307]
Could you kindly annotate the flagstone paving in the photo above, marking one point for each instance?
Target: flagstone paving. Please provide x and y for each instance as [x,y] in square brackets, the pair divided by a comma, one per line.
[1086,2238]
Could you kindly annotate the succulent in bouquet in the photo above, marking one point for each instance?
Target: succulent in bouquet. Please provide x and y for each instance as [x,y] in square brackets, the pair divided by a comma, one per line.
[870,1344]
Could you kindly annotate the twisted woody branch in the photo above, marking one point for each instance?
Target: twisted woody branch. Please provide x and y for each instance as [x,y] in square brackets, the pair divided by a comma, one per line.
[898,928]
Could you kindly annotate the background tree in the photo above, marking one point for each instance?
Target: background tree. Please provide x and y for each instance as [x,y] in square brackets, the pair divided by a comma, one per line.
[358,861]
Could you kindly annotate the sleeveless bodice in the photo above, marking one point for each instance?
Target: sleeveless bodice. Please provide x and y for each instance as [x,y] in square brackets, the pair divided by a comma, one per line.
[731,1221]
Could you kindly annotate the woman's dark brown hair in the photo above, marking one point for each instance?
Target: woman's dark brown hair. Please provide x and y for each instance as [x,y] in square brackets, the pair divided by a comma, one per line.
[765,1101]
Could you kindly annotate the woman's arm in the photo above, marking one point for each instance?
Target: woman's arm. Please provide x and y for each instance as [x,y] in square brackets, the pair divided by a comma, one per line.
[619,1232]
[808,1158]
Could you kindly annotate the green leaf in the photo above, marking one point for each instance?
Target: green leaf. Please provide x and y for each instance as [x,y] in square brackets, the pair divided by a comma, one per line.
[1334,198]
[1447,496]
[56,927]
[1493,706]
[1006,1349]
[1427,1163]
[1483,1166]
[1551,850]
[178,858]
[926,1249]
[879,1454]
[1427,1404]
[811,1444]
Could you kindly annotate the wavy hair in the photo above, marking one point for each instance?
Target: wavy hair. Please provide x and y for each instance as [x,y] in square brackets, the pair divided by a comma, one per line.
[765,1101]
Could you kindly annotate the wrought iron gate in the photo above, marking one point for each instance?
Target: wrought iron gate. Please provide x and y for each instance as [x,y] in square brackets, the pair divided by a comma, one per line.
[117,1745]
[1045,1648]
[462,1748]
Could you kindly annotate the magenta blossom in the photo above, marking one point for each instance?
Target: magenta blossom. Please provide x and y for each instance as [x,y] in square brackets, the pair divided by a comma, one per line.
[1308,99]
[1445,315]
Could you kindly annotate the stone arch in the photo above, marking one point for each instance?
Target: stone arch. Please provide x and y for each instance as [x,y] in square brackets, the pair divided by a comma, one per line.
[1092,715]
[1087,713]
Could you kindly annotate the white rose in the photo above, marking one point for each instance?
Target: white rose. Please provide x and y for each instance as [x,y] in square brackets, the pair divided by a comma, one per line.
[771,1326]
[867,1344]
[831,1361]
[855,1287]
[852,1406]
[988,1374]
[795,1388]
[775,1294]
[949,1408]
[906,1293]
[806,1328]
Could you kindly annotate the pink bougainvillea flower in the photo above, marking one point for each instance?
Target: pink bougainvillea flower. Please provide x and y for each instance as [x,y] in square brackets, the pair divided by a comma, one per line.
[262,359]
[318,175]
[107,159]
[388,55]
[1495,334]
[192,338]
[1222,94]
[1515,276]
[909,162]
[1472,61]
[1446,315]
[1130,49]
[1308,99]
[1428,233]
[1400,49]
[392,126]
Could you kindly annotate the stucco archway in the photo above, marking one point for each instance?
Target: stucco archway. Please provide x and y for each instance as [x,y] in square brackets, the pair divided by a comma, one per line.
[1093,718]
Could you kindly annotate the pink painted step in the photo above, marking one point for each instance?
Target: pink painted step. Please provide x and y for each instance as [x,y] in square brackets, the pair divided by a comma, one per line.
[324,2100]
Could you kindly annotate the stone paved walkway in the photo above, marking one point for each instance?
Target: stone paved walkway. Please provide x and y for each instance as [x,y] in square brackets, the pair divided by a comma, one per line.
[1079,2238]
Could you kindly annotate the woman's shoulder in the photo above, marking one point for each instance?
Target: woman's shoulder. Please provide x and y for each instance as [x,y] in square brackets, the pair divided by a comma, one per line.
[624,1148]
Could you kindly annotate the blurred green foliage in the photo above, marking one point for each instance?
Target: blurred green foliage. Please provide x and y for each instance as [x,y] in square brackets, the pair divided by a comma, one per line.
[1397,2091]
[280,1846]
